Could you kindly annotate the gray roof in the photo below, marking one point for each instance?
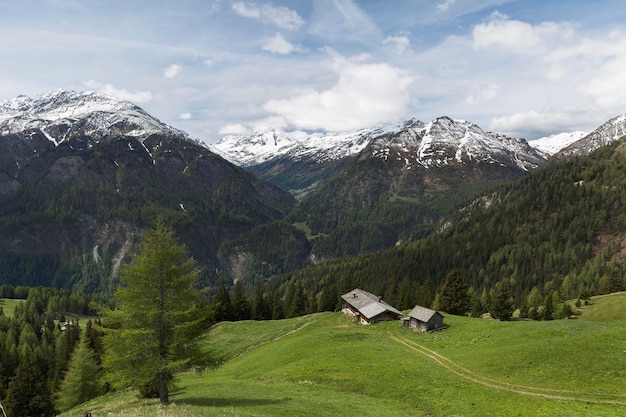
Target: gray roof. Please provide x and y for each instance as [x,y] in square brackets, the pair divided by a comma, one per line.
[369,305]
[422,313]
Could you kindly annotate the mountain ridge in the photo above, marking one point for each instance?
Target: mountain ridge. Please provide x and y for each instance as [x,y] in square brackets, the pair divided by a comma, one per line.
[81,174]
[62,114]
[605,134]
[264,146]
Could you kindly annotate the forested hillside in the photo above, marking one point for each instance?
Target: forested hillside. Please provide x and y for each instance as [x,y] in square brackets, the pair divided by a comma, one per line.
[561,230]
[81,174]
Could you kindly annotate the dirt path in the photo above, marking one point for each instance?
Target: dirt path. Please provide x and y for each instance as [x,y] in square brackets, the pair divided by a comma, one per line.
[469,375]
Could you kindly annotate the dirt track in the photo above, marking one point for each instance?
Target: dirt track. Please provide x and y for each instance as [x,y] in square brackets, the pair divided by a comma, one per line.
[469,375]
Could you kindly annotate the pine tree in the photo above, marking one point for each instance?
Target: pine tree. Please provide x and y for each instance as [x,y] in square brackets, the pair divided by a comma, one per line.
[153,333]
[240,305]
[452,296]
[28,393]
[222,305]
[502,302]
[82,379]
[297,306]
[548,309]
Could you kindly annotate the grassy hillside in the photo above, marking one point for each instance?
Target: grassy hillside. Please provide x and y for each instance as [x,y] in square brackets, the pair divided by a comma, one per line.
[326,365]
[8,305]
[605,308]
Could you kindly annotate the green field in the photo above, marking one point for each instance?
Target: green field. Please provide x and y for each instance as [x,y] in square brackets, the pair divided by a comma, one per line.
[326,365]
[8,305]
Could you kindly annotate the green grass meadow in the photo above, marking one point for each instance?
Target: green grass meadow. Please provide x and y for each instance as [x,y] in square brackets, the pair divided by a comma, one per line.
[8,305]
[327,365]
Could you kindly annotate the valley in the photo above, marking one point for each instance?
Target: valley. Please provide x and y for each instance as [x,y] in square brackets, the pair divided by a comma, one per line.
[395,210]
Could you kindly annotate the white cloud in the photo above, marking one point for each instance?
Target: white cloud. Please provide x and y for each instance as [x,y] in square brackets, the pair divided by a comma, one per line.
[213,59]
[280,16]
[544,122]
[342,20]
[515,35]
[278,45]
[484,94]
[185,116]
[247,10]
[234,129]
[172,71]
[443,7]
[136,97]
[607,86]
[365,94]
[399,43]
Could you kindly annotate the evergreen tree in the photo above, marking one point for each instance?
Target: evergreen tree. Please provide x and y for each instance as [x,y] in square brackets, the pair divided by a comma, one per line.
[260,307]
[452,296]
[502,302]
[277,306]
[28,393]
[612,281]
[327,298]
[548,309]
[477,307]
[153,333]
[298,301]
[240,305]
[222,305]
[82,379]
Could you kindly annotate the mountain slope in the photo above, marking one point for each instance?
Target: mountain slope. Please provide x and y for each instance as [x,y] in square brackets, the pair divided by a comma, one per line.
[558,232]
[554,143]
[604,135]
[403,183]
[297,161]
[82,173]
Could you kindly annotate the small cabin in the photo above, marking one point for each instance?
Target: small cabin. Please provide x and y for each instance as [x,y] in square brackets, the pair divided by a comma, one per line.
[368,308]
[424,319]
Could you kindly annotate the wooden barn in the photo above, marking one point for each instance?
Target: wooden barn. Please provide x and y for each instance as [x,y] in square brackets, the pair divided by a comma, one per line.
[368,308]
[424,319]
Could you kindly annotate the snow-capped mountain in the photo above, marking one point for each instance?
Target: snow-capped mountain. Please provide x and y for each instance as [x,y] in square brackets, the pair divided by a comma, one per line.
[263,146]
[83,173]
[445,141]
[606,134]
[440,142]
[61,115]
[554,143]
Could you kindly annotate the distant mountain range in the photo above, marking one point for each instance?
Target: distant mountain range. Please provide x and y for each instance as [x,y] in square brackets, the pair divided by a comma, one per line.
[82,173]
[423,141]
[429,144]
[296,160]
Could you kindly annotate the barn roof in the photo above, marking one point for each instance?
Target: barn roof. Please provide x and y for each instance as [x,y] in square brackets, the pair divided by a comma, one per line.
[422,313]
[369,305]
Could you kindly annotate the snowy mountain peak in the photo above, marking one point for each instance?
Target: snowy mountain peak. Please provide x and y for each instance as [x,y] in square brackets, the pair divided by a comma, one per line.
[445,141]
[604,135]
[554,143]
[61,114]
[436,143]
[266,145]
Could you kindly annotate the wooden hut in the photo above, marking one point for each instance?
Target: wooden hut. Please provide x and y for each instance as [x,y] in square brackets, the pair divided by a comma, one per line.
[368,308]
[424,319]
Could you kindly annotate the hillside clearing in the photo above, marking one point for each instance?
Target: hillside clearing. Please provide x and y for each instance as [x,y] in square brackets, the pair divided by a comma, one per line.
[326,365]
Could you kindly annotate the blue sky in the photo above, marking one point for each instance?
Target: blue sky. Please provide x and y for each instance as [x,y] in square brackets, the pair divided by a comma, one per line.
[526,68]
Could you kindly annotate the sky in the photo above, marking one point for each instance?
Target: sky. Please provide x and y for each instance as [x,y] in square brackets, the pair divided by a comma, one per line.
[526,68]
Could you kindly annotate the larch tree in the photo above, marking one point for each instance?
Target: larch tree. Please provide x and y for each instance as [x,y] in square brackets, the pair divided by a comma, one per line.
[82,379]
[153,333]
